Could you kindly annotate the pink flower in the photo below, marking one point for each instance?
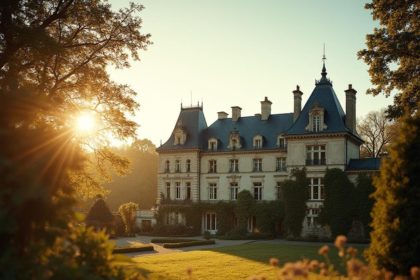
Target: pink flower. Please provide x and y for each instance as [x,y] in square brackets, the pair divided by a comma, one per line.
[323,251]
[340,241]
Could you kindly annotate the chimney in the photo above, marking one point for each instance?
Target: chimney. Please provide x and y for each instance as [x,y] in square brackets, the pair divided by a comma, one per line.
[351,108]
[265,109]
[236,113]
[222,115]
[297,102]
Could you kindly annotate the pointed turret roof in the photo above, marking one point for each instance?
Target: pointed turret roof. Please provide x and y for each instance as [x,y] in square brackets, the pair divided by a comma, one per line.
[323,96]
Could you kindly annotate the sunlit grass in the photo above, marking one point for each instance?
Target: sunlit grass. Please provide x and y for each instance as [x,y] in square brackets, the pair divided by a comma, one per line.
[232,262]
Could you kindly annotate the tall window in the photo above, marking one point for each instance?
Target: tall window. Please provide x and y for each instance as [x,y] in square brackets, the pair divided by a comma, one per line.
[177,166]
[258,190]
[177,190]
[212,191]
[257,143]
[212,166]
[316,123]
[316,189]
[281,142]
[315,155]
[257,165]
[234,191]
[212,145]
[279,193]
[281,164]
[188,189]
[210,221]
[168,190]
[234,165]
[167,166]
[188,166]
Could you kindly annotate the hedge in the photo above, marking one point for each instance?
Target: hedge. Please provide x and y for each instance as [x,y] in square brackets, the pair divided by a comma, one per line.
[189,243]
[171,240]
[132,249]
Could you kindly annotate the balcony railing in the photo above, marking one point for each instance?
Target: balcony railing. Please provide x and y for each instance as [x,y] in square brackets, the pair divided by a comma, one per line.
[316,161]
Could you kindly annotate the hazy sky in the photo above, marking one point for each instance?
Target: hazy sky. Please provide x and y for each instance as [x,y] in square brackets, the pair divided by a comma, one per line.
[229,52]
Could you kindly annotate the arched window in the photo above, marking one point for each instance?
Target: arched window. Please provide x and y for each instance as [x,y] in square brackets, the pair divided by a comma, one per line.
[167,164]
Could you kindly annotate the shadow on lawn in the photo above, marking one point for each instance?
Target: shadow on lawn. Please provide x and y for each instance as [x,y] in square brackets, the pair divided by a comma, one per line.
[262,252]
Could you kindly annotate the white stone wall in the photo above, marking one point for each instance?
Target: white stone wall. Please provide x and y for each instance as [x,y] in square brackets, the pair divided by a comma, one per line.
[183,177]
[353,151]
[245,177]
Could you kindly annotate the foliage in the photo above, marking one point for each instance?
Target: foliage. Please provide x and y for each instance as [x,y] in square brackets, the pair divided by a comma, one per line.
[53,59]
[188,243]
[225,212]
[268,215]
[362,201]
[392,53]
[139,185]
[295,196]
[99,212]
[377,132]
[336,211]
[128,213]
[244,209]
[395,238]
[133,249]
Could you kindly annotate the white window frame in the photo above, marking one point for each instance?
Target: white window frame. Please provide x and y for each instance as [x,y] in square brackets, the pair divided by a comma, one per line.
[234,190]
[258,142]
[188,165]
[234,165]
[210,221]
[212,166]
[316,123]
[212,191]
[178,194]
[257,191]
[281,139]
[168,190]
[316,155]
[281,164]
[177,166]
[257,164]
[167,166]
[316,188]
[212,144]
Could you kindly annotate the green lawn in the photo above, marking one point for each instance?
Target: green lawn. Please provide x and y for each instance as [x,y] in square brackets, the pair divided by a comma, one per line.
[233,262]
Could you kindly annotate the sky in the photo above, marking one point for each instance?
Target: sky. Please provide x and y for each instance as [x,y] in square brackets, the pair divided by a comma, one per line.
[234,53]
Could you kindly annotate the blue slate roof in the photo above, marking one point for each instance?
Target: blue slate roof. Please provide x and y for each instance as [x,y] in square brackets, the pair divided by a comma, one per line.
[193,123]
[248,127]
[364,164]
[324,96]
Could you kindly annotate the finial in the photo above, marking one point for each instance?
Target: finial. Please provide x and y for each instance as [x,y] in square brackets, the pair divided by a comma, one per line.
[324,70]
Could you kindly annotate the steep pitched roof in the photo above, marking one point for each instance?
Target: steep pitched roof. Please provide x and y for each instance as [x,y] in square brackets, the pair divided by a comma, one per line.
[323,96]
[193,122]
[248,127]
[364,164]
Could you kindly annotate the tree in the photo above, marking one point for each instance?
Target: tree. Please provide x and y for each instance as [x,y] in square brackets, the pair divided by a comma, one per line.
[53,59]
[128,213]
[244,209]
[392,54]
[336,210]
[377,132]
[295,196]
[395,238]
[362,201]
[99,215]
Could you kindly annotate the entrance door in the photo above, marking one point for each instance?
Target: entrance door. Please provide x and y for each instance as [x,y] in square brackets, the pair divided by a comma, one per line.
[210,222]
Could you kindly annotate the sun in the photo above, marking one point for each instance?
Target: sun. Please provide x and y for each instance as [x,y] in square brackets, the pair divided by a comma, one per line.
[85,123]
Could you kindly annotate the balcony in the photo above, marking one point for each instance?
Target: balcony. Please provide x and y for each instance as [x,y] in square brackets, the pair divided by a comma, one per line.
[316,161]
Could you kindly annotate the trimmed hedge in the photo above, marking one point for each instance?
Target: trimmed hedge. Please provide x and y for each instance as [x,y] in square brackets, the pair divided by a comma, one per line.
[188,244]
[171,240]
[132,249]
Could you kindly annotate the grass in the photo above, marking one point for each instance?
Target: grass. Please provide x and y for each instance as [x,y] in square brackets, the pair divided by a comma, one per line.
[233,262]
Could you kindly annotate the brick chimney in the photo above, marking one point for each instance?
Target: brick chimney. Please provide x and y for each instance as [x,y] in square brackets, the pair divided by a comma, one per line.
[297,102]
[351,108]
[265,109]
[222,115]
[236,113]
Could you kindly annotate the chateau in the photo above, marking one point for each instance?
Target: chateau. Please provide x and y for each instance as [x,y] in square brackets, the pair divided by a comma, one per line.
[211,163]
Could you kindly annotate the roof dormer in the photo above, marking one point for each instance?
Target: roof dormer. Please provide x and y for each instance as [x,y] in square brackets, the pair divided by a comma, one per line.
[316,119]
[234,140]
[257,141]
[180,135]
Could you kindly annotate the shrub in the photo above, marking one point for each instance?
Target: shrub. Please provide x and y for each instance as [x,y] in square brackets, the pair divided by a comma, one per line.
[295,195]
[396,225]
[171,240]
[189,244]
[132,249]
[244,209]
[99,215]
[128,214]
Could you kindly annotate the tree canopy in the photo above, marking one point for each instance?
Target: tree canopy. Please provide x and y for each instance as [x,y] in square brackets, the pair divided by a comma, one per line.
[392,54]
[53,59]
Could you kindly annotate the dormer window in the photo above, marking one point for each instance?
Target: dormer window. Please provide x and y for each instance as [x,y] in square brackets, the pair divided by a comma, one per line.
[180,135]
[234,140]
[281,142]
[316,119]
[212,144]
[258,142]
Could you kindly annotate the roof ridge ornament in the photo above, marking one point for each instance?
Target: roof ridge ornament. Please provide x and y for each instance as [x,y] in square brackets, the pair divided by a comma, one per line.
[324,80]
